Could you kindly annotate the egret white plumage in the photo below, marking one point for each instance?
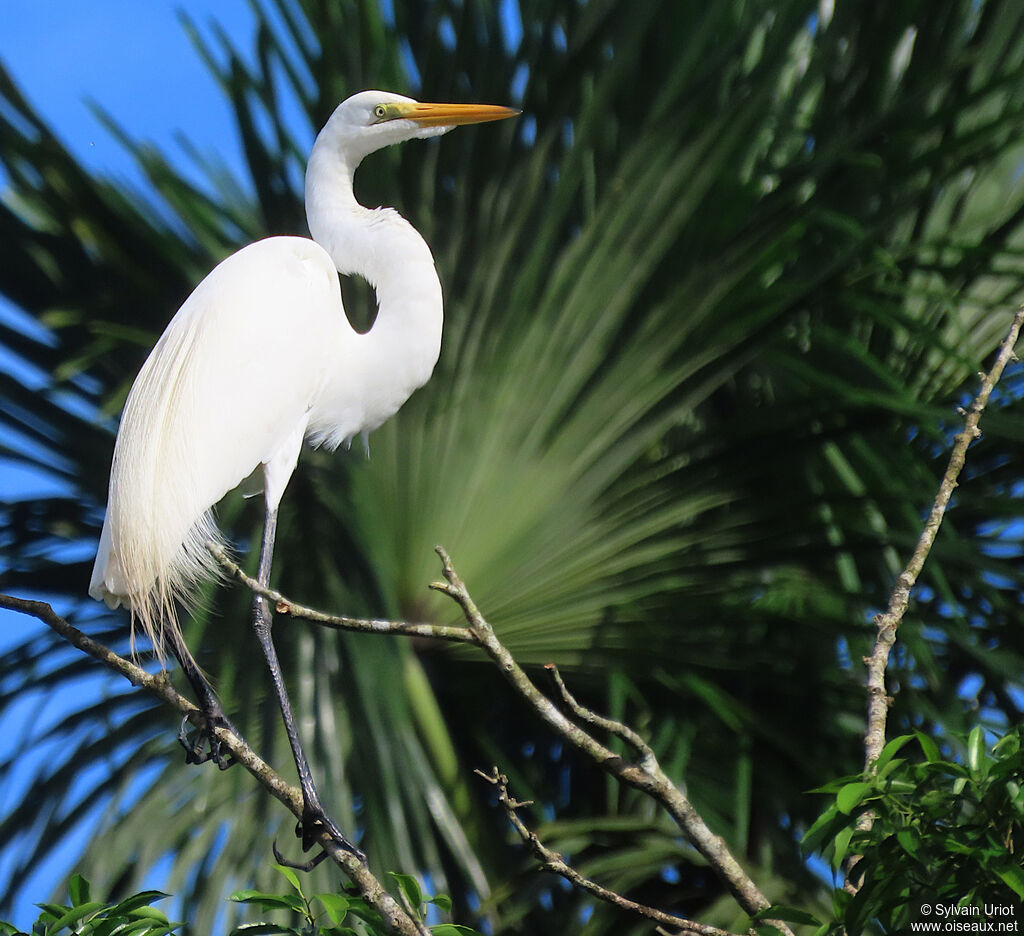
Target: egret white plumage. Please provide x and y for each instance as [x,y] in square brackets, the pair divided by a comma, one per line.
[259,357]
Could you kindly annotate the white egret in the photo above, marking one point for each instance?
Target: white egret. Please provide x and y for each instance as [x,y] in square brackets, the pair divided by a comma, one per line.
[259,357]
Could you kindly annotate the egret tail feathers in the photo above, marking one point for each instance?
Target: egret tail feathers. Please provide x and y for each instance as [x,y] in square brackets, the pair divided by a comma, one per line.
[137,575]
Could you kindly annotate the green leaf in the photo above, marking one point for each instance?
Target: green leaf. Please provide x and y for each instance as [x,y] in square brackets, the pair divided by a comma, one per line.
[1007,746]
[138,901]
[893,767]
[410,888]
[976,757]
[834,786]
[365,913]
[147,927]
[270,901]
[453,929]
[851,795]
[442,901]
[952,843]
[266,929]
[766,929]
[77,914]
[78,890]
[787,914]
[336,906]
[908,840]
[841,846]
[823,829]
[890,750]
[148,913]
[291,877]
[1012,876]
[928,747]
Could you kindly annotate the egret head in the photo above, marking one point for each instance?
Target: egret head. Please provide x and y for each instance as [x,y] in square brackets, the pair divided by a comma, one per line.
[371,120]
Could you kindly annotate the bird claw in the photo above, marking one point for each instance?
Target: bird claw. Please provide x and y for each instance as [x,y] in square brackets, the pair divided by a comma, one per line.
[195,753]
[315,822]
[297,865]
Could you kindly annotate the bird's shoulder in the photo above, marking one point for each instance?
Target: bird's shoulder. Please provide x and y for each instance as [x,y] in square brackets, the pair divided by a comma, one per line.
[272,256]
[271,277]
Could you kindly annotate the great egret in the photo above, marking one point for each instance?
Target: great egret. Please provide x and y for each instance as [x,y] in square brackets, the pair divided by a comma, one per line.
[258,358]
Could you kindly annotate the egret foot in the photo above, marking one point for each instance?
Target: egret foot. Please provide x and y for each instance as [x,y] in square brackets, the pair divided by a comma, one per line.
[297,865]
[315,822]
[202,744]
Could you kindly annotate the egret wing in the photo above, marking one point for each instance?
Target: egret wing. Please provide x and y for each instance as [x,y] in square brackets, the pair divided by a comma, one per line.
[228,387]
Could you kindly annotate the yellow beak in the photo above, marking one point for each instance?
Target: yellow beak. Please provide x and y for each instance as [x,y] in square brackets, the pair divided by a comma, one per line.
[449,115]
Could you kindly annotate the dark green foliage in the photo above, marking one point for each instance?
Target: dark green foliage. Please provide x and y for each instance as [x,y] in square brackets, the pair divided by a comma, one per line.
[318,915]
[711,304]
[946,832]
[133,916]
[326,914]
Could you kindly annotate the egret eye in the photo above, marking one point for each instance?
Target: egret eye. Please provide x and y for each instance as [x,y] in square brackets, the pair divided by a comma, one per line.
[380,111]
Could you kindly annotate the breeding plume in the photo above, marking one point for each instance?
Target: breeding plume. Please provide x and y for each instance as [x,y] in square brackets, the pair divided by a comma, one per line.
[260,357]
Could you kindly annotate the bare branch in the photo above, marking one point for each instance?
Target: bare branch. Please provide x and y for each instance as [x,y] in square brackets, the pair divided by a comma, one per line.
[886,624]
[397,920]
[556,863]
[647,777]
[647,758]
[285,605]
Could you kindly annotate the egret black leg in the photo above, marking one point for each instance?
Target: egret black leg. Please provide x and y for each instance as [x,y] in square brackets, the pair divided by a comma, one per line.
[314,818]
[213,715]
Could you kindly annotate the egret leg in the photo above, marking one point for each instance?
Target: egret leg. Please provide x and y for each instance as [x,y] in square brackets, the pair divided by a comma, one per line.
[213,715]
[314,818]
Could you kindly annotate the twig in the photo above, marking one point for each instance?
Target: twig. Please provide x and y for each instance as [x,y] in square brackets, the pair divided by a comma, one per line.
[397,920]
[285,605]
[648,777]
[886,624]
[556,863]
[647,758]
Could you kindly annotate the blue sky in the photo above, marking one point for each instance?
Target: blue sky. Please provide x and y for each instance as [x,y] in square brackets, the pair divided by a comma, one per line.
[135,60]
[132,58]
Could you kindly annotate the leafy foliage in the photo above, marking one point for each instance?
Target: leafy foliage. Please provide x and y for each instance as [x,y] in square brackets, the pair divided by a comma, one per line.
[710,307]
[324,914]
[320,915]
[945,832]
[133,916]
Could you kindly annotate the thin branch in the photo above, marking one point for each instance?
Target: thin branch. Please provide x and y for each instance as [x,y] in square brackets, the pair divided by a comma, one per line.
[887,624]
[556,863]
[647,776]
[622,731]
[397,920]
[285,605]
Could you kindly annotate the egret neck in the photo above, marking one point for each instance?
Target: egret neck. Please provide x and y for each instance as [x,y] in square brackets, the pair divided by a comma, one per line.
[397,355]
